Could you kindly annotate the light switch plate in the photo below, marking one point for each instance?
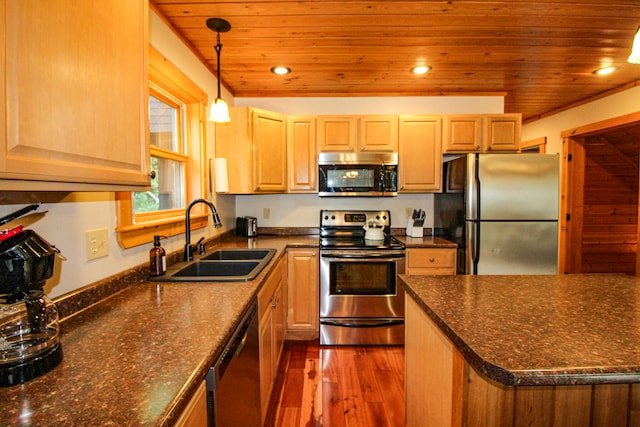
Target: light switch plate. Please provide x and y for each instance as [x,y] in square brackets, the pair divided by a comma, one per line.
[266,213]
[97,243]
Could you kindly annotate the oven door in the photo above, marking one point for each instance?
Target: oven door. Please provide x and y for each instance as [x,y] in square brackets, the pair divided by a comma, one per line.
[361,284]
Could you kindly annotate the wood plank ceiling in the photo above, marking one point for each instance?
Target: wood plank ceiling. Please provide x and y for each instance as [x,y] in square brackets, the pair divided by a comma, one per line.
[539,54]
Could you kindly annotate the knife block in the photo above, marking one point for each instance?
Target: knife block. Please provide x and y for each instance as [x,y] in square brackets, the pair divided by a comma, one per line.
[414,230]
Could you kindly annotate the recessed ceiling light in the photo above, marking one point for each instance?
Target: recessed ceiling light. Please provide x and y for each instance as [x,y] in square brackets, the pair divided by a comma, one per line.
[605,70]
[281,71]
[421,69]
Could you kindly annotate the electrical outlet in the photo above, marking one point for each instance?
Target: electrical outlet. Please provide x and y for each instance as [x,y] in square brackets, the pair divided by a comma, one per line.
[266,213]
[409,212]
[97,243]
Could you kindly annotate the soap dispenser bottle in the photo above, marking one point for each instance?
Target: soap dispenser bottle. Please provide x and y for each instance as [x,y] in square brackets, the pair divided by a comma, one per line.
[157,258]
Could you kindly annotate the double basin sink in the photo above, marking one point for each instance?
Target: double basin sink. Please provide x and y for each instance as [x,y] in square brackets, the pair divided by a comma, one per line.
[223,265]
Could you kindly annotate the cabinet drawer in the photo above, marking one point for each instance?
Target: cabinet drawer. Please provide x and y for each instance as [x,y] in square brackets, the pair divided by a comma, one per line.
[431,261]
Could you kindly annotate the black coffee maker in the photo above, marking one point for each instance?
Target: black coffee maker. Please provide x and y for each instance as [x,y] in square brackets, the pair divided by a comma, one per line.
[29,330]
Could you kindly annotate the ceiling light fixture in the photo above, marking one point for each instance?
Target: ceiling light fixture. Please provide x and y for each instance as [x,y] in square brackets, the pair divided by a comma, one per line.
[421,69]
[280,70]
[634,58]
[605,70]
[219,111]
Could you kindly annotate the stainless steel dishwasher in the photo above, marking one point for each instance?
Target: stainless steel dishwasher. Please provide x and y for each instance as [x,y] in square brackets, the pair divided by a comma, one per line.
[233,382]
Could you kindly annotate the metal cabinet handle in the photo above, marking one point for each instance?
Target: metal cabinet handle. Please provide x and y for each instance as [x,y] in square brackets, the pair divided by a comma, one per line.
[432,259]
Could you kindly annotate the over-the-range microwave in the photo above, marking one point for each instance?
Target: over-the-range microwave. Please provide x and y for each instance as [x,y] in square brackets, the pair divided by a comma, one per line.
[358,174]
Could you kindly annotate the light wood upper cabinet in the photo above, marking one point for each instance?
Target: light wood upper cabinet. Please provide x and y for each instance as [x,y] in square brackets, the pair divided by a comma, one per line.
[303,291]
[481,133]
[358,133]
[420,153]
[378,133]
[74,98]
[302,154]
[502,132]
[337,133]
[462,133]
[255,146]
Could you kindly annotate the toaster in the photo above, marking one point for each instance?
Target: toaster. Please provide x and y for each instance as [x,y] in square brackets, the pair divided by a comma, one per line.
[246,226]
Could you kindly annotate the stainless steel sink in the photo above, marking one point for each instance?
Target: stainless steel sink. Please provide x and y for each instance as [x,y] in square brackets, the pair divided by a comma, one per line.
[223,265]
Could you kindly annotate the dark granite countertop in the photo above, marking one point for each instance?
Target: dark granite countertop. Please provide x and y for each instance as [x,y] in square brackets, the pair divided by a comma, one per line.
[137,357]
[539,330]
[426,242]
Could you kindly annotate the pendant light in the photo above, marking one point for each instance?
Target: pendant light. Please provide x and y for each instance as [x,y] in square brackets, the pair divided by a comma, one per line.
[219,111]
[634,58]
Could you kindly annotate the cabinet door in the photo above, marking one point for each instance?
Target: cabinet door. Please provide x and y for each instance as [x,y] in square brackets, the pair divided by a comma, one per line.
[302,154]
[233,142]
[502,132]
[279,324]
[75,107]
[269,132]
[462,133]
[378,133]
[303,290]
[337,133]
[195,414]
[265,334]
[420,153]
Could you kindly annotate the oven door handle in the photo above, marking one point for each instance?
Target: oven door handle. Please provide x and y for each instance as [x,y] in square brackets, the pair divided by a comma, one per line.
[361,255]
[362,323]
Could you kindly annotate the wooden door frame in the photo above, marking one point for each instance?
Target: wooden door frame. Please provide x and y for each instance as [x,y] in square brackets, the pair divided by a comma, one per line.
[572,202]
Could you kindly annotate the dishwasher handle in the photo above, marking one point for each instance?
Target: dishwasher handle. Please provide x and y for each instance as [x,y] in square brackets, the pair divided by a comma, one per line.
[233,349]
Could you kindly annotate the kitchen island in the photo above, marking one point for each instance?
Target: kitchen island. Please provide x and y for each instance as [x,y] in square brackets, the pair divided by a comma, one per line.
[522,350]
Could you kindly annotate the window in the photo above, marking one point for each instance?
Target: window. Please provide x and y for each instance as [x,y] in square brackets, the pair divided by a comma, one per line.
[177,151]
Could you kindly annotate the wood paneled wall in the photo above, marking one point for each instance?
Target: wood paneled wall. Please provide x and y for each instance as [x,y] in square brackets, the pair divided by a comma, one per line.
[610,211]
[599,213]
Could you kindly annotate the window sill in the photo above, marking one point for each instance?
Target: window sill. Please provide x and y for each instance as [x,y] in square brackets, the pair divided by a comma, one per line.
[140,234]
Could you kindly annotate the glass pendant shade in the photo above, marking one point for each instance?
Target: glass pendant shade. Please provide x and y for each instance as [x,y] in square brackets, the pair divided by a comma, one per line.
[634,58]
[219,111]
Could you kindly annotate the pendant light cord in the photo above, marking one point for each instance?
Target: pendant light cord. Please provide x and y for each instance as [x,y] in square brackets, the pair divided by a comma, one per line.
[218,48]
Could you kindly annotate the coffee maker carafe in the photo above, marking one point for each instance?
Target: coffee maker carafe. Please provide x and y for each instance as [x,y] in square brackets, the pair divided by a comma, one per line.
[29,330]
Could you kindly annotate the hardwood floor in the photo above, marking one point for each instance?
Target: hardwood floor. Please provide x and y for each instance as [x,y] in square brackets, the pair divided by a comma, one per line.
[351,386]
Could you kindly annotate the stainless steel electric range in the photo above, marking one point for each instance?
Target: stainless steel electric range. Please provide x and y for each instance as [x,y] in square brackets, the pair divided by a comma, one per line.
[360,300]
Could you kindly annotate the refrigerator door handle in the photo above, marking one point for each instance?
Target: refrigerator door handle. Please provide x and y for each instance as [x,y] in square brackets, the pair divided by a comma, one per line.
[473,188]
[473,247]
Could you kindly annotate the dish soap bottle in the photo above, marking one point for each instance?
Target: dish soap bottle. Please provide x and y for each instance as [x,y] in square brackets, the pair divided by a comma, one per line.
[157,258]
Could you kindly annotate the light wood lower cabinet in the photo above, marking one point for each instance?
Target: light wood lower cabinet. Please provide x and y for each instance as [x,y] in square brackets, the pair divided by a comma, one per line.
[442,389]
[303,293]
[195,414]
[272,319]
[431,261]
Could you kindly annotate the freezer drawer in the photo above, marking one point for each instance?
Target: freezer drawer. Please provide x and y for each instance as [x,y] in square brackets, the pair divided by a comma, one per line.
[508,247]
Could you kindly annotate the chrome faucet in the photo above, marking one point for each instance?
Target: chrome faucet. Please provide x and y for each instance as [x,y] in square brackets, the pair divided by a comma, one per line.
[188,250]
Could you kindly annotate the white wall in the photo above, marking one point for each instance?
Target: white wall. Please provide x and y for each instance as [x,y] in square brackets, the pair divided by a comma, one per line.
[612,106]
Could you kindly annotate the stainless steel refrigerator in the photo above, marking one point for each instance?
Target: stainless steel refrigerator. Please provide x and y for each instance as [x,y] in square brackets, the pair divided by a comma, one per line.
[502,209]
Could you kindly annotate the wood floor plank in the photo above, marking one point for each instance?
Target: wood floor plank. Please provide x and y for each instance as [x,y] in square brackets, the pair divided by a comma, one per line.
[339,386]
[311,409]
